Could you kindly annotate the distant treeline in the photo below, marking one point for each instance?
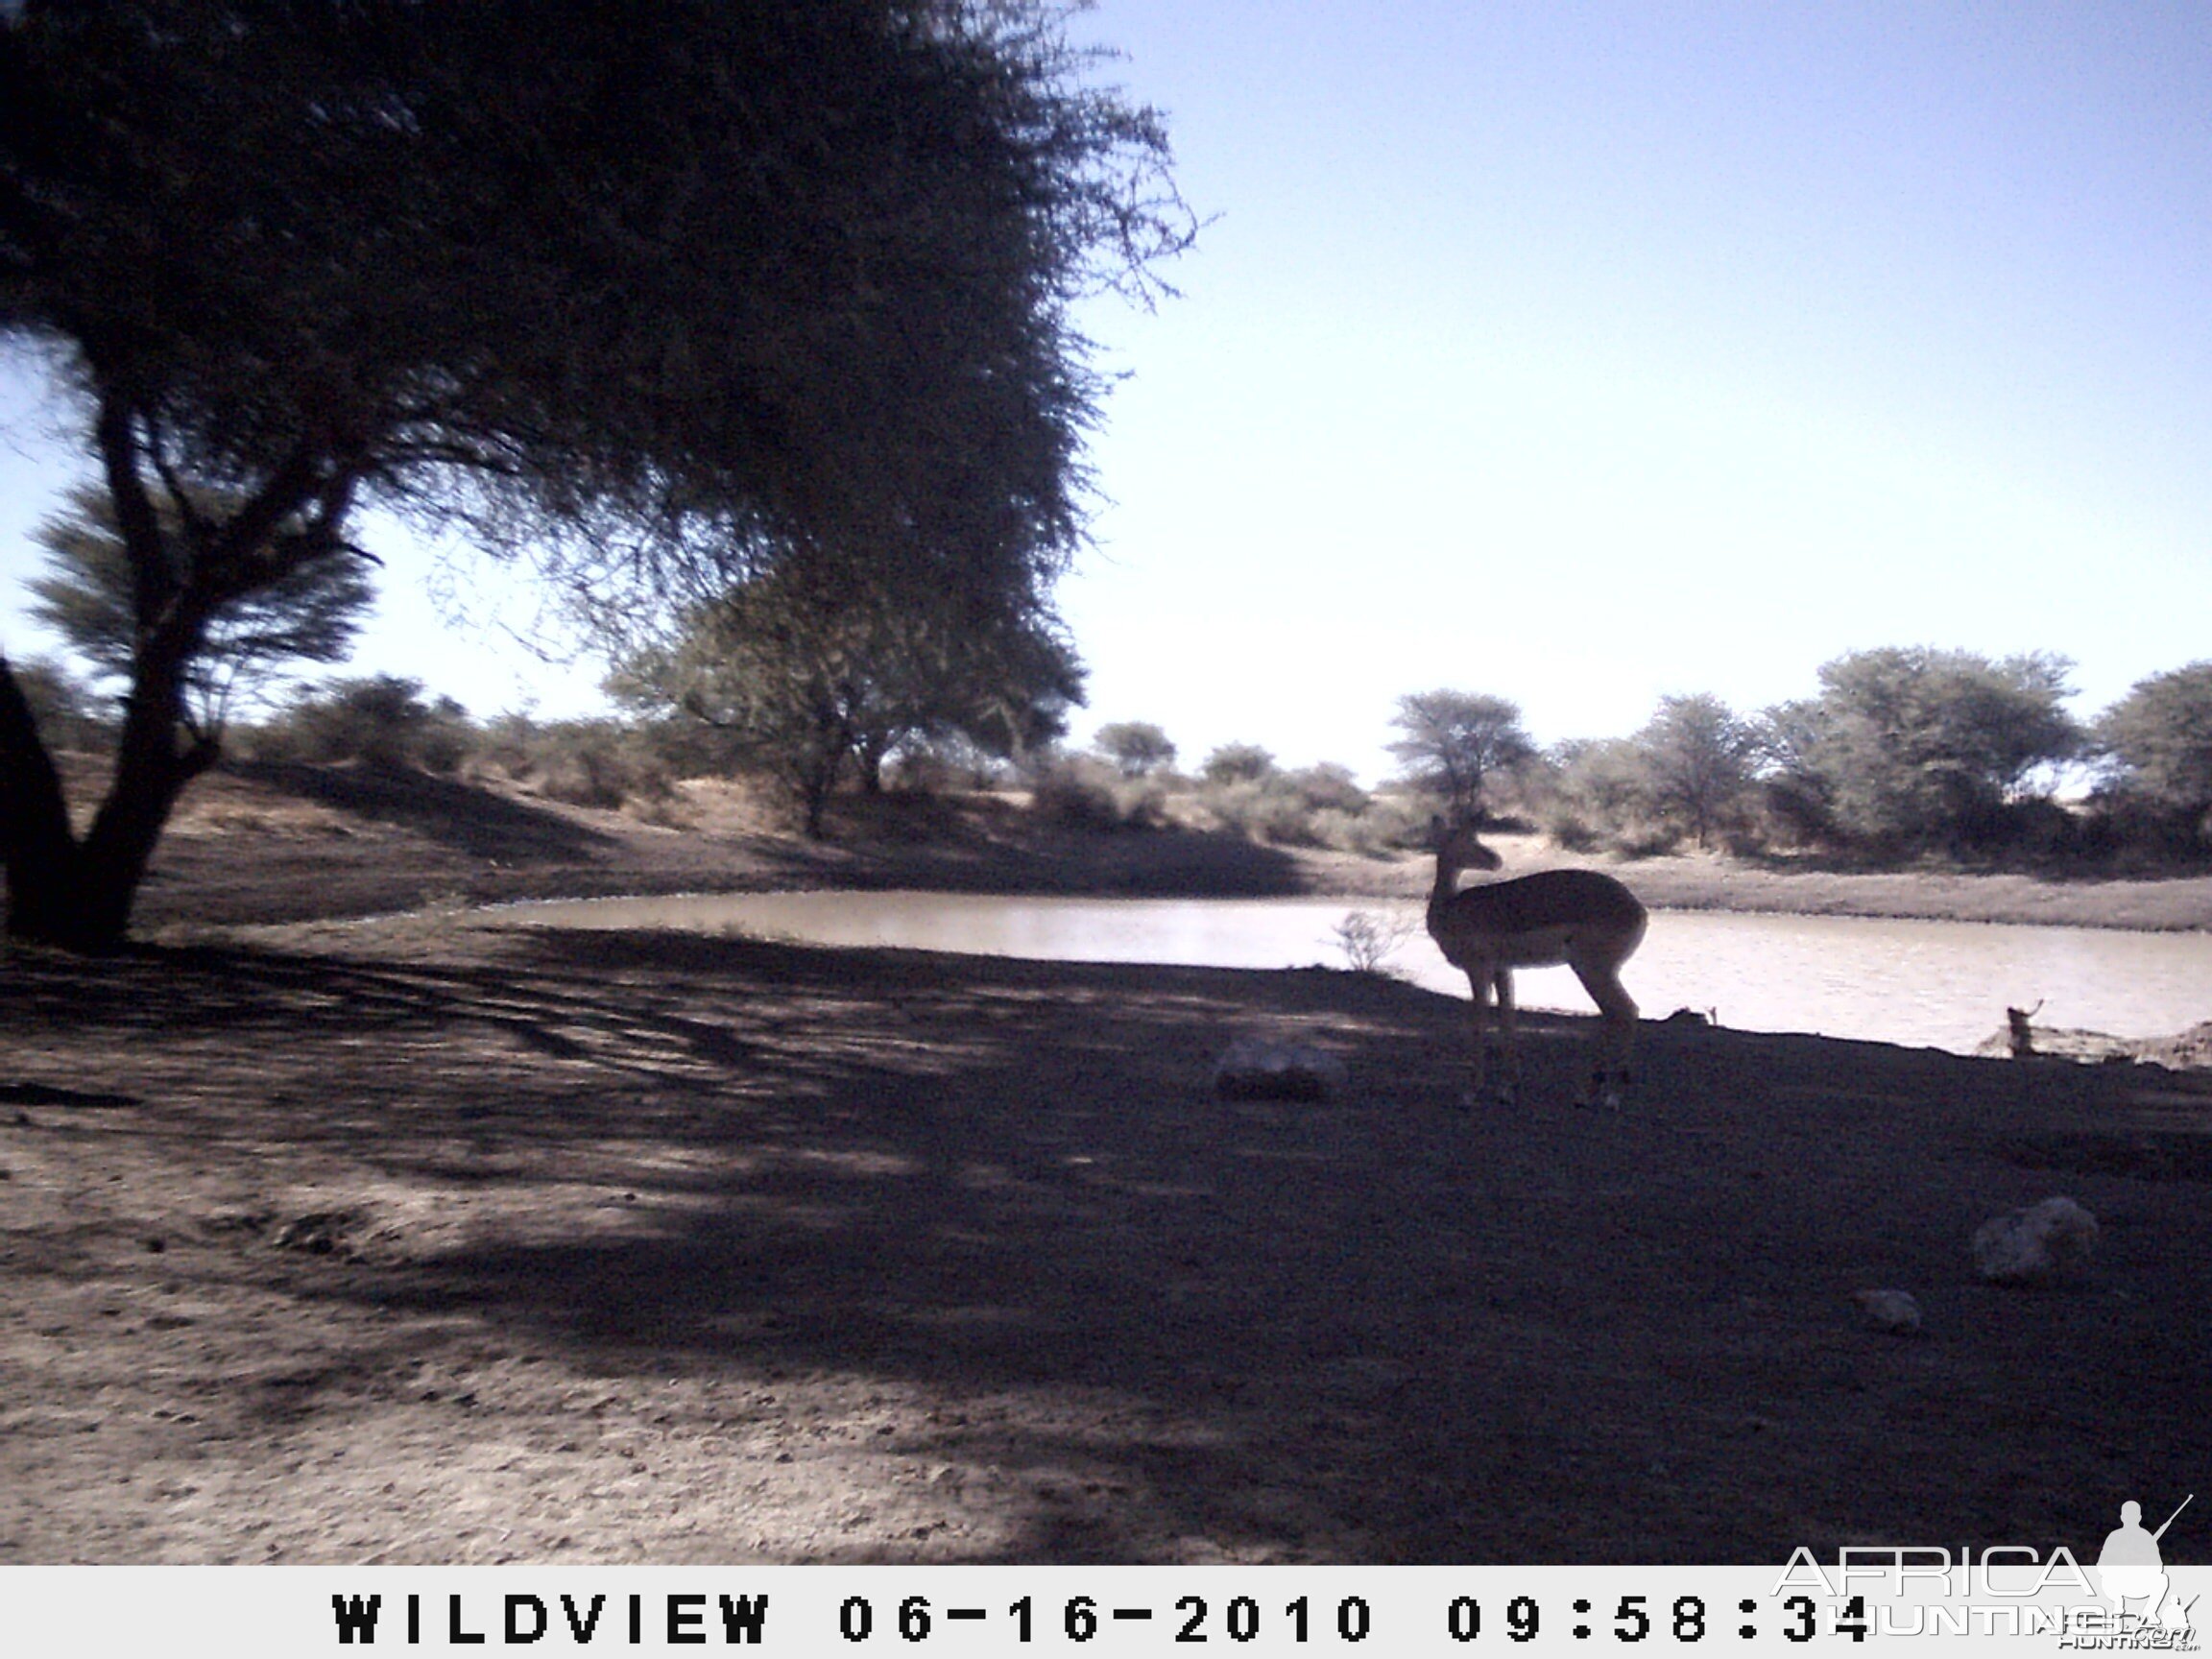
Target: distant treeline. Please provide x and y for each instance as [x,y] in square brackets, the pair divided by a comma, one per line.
[1904,752]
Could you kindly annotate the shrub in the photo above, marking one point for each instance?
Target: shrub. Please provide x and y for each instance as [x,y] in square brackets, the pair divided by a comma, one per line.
[382,720]
[1370,938]
[601,763]
[1328,786]
[1080,793]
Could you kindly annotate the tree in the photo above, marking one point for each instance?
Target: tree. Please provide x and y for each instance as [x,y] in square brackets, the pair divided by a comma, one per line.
[1594,787]
[311,613]
[1236,763]
[381,720]
[1916,747]
[667,296]
[1456,740]
[805,681]
[1328,787]
[1698,759]
[2160,735]
[1136,746]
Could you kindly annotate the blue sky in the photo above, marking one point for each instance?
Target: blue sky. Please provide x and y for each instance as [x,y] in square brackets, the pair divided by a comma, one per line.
[1584,354]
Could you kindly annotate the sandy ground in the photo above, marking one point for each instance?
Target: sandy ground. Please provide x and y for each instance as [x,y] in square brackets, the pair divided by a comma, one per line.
[414,1240]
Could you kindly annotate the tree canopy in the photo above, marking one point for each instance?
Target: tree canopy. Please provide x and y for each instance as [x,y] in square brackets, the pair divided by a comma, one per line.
[1698,761]
[664,297]
[1136,746]
[1913,745]
[807,678]
[2160,738]
[1455,742]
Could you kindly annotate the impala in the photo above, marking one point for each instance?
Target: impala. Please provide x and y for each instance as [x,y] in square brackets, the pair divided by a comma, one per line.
[1581,918]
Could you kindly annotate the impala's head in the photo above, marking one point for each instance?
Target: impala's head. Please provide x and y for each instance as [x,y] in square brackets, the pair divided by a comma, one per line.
[1454,839]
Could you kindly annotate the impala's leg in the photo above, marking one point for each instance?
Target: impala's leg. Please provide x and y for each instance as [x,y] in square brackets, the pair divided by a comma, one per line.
[1478,1017]
[1510,1082]
[1601,976]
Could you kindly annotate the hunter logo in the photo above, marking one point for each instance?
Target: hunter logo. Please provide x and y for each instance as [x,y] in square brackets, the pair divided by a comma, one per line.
[2131,1569]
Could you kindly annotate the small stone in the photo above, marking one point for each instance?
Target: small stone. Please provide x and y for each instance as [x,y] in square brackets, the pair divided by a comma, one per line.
[2035,1245]
[1892,1310]
[1253,1068]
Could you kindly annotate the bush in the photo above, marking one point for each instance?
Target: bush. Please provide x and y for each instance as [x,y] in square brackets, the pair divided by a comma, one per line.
[1570,830]
[1392,823]
[1647,840]
[1370,938]
[382,721]
[1328,787]
[1261,811]
[592,764]
[944,766]
[1081,793]
[601,763]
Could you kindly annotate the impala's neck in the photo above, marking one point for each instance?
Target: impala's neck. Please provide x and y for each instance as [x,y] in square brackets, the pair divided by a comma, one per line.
[1447,868]
[1454,855]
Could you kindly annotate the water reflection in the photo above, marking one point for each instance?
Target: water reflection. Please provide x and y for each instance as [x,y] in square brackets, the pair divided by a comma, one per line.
[1942,984]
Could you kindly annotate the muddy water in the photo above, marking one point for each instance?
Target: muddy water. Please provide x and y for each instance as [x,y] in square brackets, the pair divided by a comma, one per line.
[1941,984]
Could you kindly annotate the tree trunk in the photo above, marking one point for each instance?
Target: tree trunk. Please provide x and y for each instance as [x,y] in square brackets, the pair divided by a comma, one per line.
[35,847]
[817,779]
[77,894]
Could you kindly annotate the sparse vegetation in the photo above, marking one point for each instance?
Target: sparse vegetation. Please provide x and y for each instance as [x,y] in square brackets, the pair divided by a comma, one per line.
[1964,766]
[1904,754]
[1370,938]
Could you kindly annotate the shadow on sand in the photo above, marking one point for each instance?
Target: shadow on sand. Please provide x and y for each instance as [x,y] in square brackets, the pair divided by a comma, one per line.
[1378,1329]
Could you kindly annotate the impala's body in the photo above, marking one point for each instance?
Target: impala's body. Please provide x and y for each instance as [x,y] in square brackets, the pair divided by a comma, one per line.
[1579,918]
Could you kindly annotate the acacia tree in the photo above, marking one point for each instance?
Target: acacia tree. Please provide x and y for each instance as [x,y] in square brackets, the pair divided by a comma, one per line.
[1136,747]
[1914,746]
[309,615]
[1696,758]
[2160,737]
[662,294]
[1455,742]
[1238,763]
[807,681]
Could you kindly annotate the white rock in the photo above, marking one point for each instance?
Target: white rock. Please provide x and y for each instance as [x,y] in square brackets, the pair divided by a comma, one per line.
[1892,1310]
[1254,1068]
[2038,1242]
